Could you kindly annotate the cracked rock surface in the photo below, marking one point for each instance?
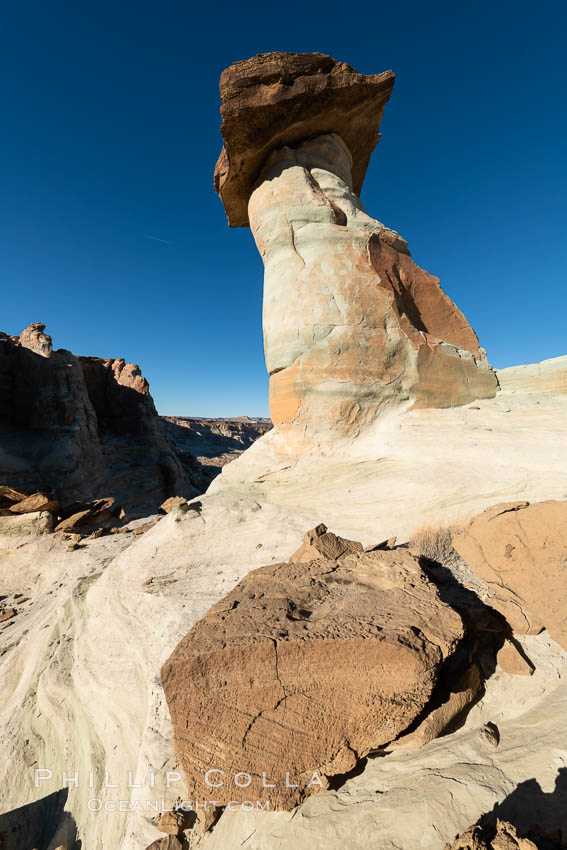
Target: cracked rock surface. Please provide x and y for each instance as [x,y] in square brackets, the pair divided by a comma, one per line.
[520,551]
[303,669]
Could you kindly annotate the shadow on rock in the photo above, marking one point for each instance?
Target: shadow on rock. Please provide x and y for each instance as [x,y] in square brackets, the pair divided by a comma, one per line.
[475,660]
[536,815]
[36,825]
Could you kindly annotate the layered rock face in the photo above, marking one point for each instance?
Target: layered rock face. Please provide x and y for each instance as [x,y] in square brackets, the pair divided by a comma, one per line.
[142,467]
[120,396]
[548,377]
[351,324]
[304,668]
[81,426]
[49,428]
[520,551]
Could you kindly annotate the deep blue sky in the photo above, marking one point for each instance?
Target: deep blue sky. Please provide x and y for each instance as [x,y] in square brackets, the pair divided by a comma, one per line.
[110,136]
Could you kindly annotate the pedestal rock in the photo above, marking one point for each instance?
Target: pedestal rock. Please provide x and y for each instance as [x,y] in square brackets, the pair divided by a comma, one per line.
[352,325]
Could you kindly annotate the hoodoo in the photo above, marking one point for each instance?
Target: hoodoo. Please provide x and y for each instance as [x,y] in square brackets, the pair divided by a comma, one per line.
[352,325]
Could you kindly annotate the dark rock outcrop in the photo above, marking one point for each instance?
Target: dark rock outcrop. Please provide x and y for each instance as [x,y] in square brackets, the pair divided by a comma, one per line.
[36,502]
[495,834]
[278,99]
[48,427]
[74,429]
[143,468]
[120,396]
[81,427]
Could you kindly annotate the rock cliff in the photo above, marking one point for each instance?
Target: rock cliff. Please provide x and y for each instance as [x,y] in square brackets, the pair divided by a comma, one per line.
[48,425]
[81,427]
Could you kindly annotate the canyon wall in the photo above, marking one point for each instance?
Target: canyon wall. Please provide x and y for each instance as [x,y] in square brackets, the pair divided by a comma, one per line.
[81,427]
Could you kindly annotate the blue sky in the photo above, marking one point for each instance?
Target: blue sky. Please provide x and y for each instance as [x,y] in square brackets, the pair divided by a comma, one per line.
[111,232]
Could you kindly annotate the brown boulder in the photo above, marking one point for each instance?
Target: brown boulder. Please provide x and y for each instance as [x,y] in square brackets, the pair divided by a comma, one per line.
[36,502]
[496,835]
[9,497]
[97,511]
[520,551]
[278,99]
[173,823]
[171,503]
[320,543]
[302,670]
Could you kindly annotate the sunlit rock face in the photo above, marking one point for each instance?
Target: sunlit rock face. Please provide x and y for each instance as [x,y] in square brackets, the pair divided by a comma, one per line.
[352,325]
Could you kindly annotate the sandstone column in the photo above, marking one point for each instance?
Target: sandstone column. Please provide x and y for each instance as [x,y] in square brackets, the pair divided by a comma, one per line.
[351,325]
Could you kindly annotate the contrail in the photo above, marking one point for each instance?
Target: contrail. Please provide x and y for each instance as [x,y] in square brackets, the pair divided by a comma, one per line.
[157,239]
